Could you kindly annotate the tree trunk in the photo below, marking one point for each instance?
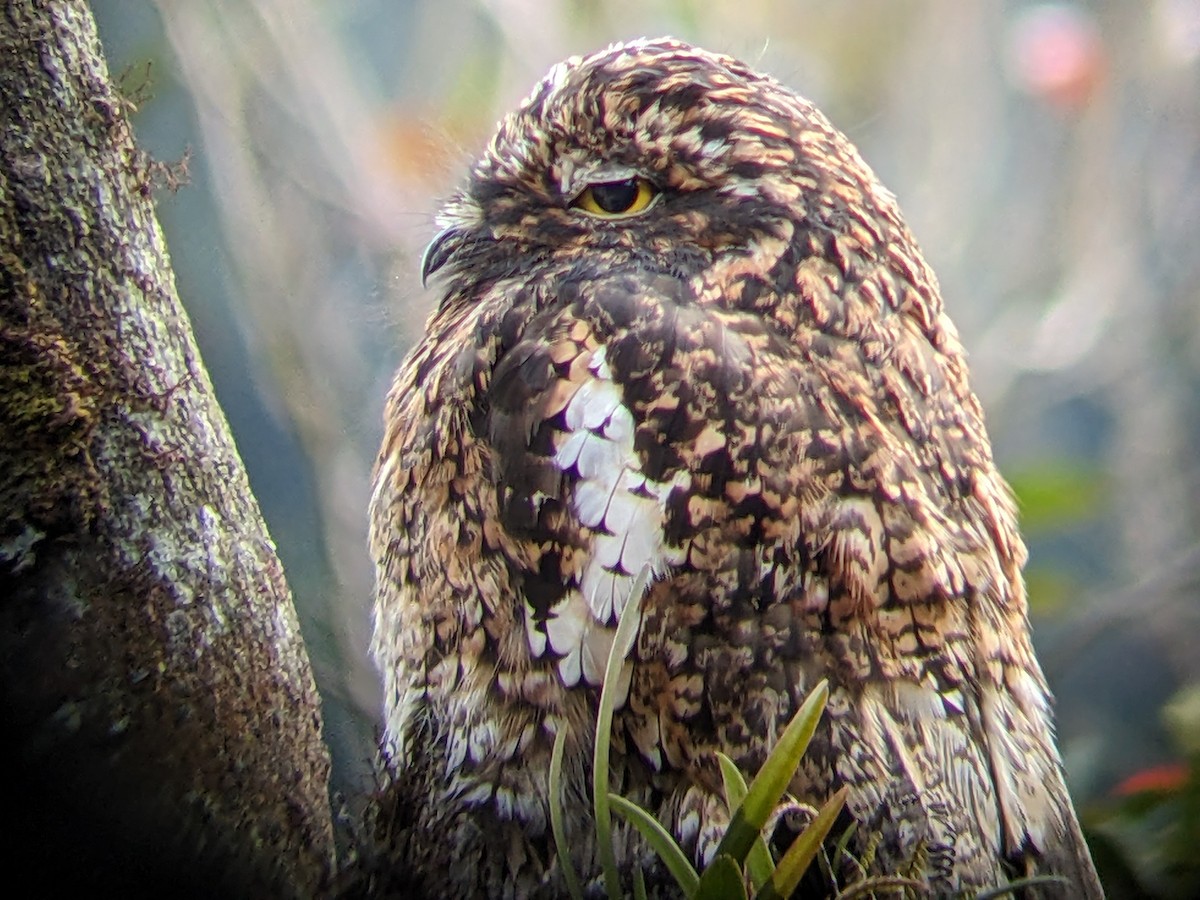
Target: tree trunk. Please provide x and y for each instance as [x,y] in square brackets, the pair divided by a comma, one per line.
[155,690]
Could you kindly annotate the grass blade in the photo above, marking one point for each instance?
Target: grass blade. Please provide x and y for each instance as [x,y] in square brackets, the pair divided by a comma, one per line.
[840,851]
[630,619]
[557,826]
[803,851]
[883,884]
[1010,889]
[773,779]
[639,884]
[759,864]
[660,842]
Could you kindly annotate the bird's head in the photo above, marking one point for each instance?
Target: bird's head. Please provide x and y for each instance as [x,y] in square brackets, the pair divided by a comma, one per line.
[669,158]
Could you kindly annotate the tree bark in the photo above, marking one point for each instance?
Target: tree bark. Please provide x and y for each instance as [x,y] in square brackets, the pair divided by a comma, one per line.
[156,693]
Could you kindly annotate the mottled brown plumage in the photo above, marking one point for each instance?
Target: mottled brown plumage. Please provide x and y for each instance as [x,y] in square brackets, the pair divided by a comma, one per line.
[751,387]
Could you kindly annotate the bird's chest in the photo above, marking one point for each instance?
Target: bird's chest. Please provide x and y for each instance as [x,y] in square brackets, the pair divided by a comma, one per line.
[575,444]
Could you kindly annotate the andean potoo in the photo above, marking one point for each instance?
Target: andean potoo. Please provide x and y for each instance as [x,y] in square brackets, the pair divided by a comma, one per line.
[681,327]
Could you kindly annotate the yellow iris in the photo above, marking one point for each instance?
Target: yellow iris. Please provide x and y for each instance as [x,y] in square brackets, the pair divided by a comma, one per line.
[616,199]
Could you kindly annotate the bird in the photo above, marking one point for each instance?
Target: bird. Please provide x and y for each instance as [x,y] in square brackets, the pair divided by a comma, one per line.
[686,358]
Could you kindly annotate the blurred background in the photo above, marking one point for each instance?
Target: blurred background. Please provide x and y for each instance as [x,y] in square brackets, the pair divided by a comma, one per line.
[1047,155]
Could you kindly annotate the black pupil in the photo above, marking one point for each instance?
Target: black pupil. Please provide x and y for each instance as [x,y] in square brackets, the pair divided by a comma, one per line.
[615,196]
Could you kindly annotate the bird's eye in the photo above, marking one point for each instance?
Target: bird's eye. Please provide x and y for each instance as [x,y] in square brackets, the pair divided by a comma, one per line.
[615,199]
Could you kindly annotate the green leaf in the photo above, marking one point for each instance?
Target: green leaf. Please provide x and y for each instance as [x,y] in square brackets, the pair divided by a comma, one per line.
[1056,493]
[773,778]
[1181,714]
[556,815]
[722,880]
[660,842]
[631,618]
[1051,589]
[731,778]
[803,851]
[759,864]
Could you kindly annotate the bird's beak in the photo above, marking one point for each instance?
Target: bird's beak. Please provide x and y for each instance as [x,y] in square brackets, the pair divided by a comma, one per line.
[439,251]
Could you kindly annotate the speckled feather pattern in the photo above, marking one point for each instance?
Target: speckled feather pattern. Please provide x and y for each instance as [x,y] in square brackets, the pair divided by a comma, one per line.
[752,388]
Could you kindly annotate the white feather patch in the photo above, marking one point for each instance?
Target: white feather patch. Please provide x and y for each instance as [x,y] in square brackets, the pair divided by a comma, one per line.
[625,511]
[564,630]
